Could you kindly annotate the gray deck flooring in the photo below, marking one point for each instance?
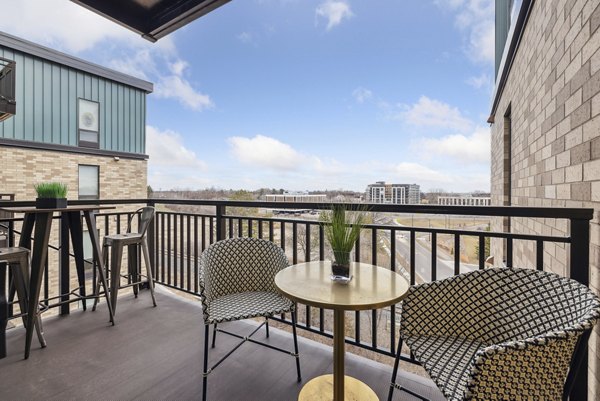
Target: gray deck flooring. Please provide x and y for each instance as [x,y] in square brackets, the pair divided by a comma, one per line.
[156,354]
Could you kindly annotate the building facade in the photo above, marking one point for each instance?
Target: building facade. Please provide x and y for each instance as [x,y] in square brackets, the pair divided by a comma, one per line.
[296,197]
[399,194]
[464,200]
[74,122]
[546,129]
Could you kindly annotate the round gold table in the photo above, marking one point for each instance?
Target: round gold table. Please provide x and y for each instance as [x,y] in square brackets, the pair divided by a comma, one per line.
[371,287]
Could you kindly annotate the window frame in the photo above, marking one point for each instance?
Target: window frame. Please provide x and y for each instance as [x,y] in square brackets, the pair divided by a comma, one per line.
[87,197]
[84,143]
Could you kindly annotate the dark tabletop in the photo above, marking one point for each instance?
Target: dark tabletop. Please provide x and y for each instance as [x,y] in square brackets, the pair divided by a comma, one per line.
[32,209]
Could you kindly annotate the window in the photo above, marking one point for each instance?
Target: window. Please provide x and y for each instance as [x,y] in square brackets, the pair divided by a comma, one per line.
[89,188]
[507,181]
[8,105]
[507,158]
[88,123]
[89,182]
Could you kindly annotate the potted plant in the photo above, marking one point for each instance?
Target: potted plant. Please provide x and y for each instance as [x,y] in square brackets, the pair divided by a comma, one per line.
[51,195]
[342,229]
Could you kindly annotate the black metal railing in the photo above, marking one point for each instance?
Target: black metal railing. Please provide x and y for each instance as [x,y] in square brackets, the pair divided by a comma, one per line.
[177,239]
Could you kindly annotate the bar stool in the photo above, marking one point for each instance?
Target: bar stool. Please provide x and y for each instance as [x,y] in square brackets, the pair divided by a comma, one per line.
[132,241]
[17,259]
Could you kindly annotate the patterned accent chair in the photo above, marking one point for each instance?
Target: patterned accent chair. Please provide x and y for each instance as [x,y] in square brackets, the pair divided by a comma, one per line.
[238,282]
[499,334]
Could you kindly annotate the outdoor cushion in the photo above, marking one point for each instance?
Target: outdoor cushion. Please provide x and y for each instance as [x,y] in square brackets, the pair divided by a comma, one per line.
[246,305]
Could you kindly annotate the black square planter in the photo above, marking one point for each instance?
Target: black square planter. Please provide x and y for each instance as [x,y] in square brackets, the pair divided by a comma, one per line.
[51,203]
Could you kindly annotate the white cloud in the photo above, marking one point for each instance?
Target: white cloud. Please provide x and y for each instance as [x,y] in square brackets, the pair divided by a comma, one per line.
[166,149]
[140,65]
[60,24]
[481,42]
[66,26]
[408,172]
[483,81]
[177,87]
[166,180]
[475,148]
[361,95]
[475,18]
[264,151]
[246,38]
[178,67]
[144,64]
[433,113]
[268,162]
[334,12]
[427,177]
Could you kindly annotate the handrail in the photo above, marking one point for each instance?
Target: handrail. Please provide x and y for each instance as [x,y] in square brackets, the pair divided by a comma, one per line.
[492,211]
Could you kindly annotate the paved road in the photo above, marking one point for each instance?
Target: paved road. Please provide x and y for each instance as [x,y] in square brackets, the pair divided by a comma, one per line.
[444,266]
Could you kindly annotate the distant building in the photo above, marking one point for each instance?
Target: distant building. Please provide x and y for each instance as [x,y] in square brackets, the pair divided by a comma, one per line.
[398,194]
[464,200]
[297,197]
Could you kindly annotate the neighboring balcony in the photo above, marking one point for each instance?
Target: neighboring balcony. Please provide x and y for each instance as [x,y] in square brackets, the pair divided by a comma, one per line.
[156,353]
[8,104]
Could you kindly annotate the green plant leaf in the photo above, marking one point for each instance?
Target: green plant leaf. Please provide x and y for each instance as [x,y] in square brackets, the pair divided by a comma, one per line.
[51,190]
[342,229]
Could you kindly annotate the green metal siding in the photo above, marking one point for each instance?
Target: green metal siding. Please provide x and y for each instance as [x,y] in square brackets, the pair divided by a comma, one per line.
[47,94]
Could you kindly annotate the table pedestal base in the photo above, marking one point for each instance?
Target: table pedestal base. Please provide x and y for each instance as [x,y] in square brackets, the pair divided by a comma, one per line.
[321,389]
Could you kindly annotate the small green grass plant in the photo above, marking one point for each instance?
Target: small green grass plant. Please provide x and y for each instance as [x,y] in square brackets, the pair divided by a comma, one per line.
[342,229]
[51,190]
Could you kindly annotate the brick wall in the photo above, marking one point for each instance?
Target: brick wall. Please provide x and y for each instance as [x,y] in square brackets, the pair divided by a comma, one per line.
[553,95]
[22,168]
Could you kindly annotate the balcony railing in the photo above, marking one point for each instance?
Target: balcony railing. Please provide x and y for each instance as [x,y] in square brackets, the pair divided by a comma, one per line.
[177,239]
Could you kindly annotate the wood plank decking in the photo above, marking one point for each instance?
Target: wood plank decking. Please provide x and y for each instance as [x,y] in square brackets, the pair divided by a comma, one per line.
[156,354]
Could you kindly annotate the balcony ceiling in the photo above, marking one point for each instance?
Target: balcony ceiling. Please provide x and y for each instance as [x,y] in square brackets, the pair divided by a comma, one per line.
[152,19]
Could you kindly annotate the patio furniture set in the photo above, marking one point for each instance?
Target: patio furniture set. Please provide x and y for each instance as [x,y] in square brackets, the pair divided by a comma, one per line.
[497,333]
[23,259]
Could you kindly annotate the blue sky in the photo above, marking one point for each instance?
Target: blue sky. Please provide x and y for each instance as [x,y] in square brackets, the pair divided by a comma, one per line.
[301,94]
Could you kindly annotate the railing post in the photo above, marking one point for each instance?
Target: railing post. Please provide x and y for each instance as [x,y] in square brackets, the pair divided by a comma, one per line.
[579,269]
[151,238]
[220,222]
[3,310]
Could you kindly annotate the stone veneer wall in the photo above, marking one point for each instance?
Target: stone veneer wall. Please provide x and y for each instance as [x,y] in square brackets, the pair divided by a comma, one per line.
[22,168]
[553,94]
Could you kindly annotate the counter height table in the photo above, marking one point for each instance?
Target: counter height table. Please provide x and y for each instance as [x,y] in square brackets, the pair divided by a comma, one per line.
[371,287]
[41,220]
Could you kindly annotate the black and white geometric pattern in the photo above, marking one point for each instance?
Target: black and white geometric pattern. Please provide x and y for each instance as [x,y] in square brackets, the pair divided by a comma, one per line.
[498,334]
[238,280]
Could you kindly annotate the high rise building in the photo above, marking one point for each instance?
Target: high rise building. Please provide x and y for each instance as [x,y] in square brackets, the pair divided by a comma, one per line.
[398,194]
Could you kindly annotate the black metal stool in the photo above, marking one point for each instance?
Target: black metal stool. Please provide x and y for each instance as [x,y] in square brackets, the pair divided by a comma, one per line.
[17,259]
[132,241]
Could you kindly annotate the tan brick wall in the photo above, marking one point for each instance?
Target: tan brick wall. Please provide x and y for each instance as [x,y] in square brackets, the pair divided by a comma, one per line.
[22,168]
[553,92]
